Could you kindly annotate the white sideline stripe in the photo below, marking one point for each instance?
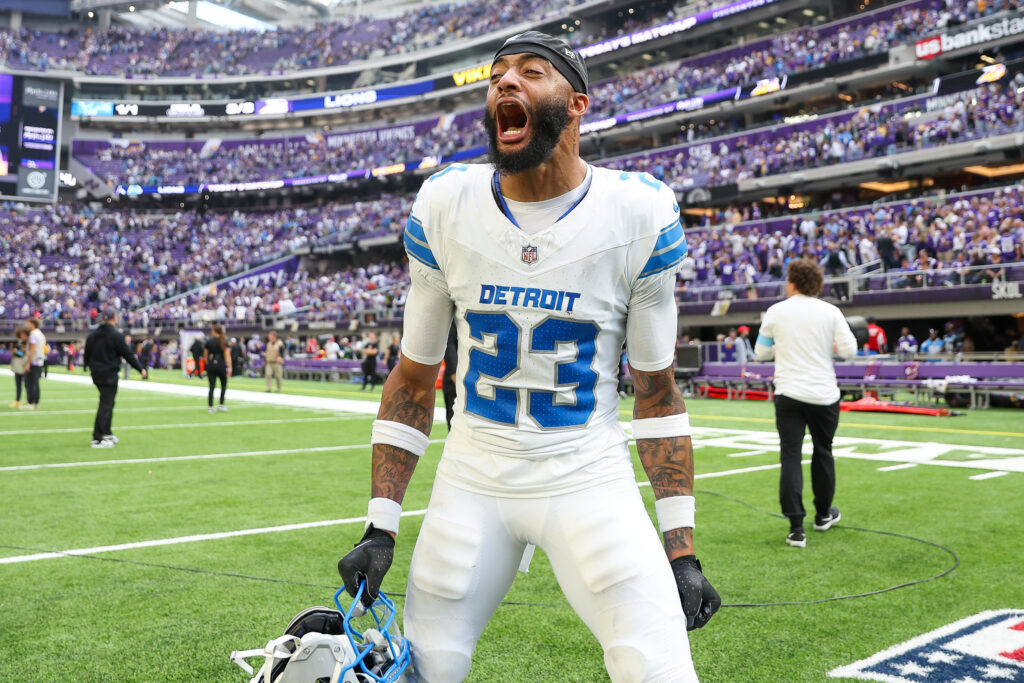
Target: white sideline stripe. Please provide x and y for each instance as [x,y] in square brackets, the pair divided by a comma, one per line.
[893,468]
[264,530]
[279,400]
[175,458]
[987,475]
[89,411]
[189,425]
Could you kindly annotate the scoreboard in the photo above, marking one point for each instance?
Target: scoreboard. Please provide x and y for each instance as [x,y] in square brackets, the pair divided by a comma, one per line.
[30,114]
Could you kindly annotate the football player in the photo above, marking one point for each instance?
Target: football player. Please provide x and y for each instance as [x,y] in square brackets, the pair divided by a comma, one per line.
[547,266]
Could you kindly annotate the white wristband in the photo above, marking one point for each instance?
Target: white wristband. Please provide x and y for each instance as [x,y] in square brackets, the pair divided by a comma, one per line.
[383,514]
[399,435]
[662,427]
[675,512]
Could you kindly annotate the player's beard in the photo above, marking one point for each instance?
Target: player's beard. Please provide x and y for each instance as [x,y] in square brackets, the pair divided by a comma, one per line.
[547,123]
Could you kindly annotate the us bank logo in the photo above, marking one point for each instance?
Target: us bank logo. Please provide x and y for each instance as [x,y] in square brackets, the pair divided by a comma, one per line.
[988,647]
[36,180]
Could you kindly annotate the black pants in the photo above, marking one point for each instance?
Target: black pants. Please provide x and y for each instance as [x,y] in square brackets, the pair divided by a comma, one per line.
[32,383]
[448,391]
[792,417]
[19,379]
[105,412]
[213,374]
[370,375]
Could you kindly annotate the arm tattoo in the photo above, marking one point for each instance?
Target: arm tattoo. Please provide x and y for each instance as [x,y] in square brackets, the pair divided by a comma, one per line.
[393,466]
[392,470]
[678,542]
[405,405]
[669,465]
[667,461]
[657,394]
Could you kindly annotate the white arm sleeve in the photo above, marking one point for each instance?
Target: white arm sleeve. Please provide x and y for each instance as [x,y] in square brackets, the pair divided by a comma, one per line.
[428,317]
[651,322]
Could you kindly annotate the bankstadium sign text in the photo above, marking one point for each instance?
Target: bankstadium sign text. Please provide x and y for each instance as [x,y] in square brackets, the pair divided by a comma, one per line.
[929,48]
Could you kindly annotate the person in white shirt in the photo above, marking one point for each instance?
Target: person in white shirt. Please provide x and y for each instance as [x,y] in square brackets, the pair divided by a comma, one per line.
[803,333]
[332,349]
[37,359]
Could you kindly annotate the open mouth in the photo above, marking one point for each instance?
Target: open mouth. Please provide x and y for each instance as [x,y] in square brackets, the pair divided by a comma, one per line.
[513,121]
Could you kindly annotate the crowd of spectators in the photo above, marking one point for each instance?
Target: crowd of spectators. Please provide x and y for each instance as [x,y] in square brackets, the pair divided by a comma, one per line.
[208,53]
[924,243]
[179,52]
[66,263]
[789,53]
[873,131]
[377,288]
[124,162]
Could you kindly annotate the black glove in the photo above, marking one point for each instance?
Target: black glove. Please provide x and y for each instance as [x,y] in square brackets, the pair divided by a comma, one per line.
[700,599]
[368,561]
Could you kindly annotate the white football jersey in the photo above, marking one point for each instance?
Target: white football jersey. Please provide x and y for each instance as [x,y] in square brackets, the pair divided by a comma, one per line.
[541,321]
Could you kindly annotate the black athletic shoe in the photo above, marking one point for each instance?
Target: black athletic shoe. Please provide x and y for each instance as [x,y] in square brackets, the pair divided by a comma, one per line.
[796,538]
[825,523]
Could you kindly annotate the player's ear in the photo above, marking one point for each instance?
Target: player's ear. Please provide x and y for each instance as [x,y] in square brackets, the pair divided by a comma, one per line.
[578,104]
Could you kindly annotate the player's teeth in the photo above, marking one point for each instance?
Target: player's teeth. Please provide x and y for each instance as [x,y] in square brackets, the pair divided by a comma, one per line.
[513,131]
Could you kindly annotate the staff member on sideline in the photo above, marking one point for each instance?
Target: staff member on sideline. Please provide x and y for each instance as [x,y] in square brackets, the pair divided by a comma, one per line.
[104,349]
[804,332]
[36,363]
[217,360]
[273,368]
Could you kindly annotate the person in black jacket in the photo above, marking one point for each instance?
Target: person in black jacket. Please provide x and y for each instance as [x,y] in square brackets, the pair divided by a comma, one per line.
[217,359]
[370,350]
[237,357]
[104,349]
[197,355]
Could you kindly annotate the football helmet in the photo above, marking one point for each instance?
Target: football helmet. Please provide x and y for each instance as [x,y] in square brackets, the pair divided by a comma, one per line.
[324,645]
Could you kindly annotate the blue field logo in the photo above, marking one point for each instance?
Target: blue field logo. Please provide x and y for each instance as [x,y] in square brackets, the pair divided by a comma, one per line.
[988,647]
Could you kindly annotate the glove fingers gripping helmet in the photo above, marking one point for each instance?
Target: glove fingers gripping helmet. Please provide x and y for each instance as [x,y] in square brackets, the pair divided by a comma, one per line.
[323,645]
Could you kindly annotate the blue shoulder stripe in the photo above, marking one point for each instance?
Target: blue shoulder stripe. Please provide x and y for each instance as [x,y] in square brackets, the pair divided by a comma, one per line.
[414,226]
[765,341]
[669,250]
[416,244]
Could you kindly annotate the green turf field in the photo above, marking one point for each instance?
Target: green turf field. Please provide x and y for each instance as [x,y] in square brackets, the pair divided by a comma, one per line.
[174,611]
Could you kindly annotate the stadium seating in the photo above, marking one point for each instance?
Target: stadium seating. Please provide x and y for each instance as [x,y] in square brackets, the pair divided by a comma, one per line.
[54,261]
[169,52]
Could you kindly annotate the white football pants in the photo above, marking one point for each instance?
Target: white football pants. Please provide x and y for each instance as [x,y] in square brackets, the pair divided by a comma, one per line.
[605,552]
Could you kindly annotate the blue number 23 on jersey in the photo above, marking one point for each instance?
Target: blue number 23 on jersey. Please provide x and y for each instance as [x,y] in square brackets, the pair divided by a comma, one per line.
[504,360]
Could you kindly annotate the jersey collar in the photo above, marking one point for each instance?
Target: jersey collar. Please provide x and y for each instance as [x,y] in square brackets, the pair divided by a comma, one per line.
[503,205]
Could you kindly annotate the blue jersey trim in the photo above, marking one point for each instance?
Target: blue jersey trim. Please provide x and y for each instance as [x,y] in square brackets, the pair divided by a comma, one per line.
[765,341]
[669,250]
[416,244]
[503,205]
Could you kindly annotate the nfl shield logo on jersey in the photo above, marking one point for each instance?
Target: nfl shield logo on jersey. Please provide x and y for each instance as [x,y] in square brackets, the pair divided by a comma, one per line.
[986,647]
[529,254]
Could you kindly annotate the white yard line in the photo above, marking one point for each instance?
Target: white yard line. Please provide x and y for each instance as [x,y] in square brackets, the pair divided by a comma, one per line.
[176,458]
[744,454]
[189,425]
[195,538]
[893,468]
[118,410]
[988,475]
